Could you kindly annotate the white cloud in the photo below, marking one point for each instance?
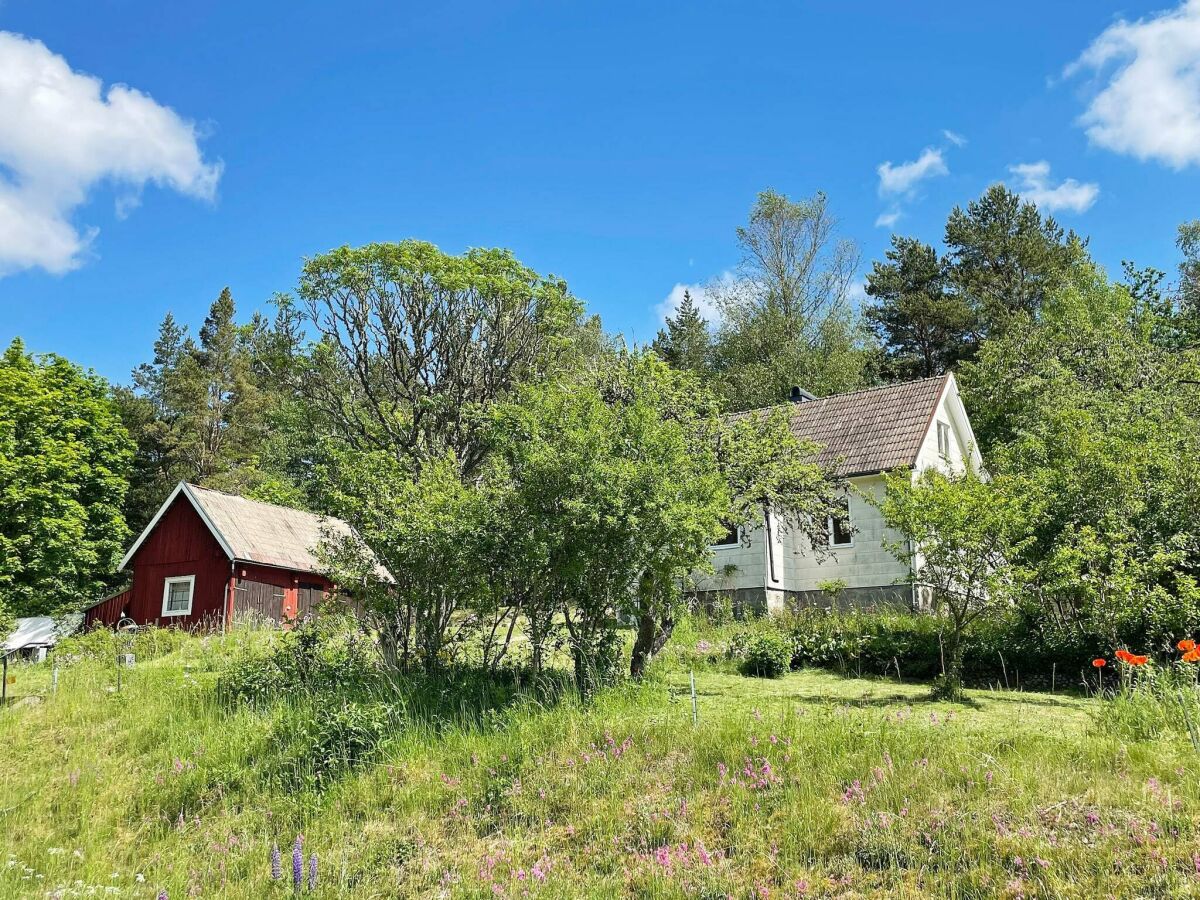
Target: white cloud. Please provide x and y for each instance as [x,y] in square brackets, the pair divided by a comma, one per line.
[1150,106]
[904,178]
[887,219]
[954,137]
[61,135]
[1034,184]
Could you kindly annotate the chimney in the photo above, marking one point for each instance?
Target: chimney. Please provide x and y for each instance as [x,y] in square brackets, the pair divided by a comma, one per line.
[799,395]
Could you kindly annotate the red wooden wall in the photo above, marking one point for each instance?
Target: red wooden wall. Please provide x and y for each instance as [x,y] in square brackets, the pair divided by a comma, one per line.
[181,544]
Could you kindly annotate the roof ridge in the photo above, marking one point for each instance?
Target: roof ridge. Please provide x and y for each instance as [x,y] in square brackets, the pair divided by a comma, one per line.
[244,499]
[787,404]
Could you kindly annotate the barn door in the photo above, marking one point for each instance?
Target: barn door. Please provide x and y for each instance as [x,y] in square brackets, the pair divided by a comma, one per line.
[255,600]
[308,598]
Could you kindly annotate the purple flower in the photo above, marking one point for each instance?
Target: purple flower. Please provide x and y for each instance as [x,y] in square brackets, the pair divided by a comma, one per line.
[162,895]
[312,872]
[276,863]
[298,863]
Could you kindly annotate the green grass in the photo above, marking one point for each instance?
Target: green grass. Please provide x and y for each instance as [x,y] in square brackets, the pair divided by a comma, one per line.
[868,790]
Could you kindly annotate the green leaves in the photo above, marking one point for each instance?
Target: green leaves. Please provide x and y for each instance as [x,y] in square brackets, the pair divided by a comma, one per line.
[64,457]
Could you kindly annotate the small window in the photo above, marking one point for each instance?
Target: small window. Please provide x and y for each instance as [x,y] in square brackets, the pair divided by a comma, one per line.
[841,532]
[731,538]
[177,595]
[943,431]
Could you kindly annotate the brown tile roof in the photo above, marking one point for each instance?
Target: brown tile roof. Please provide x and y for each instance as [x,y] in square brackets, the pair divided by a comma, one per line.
[872,430]
[268,534]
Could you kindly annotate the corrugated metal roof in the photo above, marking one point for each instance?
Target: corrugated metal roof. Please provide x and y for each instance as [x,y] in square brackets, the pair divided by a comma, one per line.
[267,534]
[868,431]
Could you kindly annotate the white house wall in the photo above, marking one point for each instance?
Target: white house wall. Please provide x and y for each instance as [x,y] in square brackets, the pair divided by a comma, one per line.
[866,563]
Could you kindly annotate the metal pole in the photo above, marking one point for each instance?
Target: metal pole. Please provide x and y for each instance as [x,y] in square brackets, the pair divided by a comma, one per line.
[695,711]
[4,690]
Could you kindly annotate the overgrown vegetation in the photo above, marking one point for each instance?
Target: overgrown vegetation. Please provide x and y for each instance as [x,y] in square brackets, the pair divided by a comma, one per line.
[809,785]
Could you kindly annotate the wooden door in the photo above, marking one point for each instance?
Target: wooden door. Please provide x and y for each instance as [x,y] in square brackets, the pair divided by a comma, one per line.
[308,598]
[258,601]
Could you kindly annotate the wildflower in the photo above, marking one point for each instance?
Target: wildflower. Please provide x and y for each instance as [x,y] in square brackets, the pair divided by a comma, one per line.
[297,862]
[1099,662]
[312,872]
[1187,644]
[162,895]
[276,863]
[1192,656]
[703,646]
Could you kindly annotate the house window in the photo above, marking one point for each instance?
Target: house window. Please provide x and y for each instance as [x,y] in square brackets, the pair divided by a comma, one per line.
[731,538]
[177,595]
[841,532]
[943,431]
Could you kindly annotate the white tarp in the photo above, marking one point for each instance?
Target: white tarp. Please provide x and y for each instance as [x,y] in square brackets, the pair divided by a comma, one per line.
[39,631]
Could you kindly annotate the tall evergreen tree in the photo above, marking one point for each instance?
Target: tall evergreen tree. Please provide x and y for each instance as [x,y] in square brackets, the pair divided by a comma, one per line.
[686,342]
[925,326]
[1006,258]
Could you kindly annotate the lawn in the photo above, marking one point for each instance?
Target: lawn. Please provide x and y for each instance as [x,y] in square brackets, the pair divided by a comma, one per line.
[812,785]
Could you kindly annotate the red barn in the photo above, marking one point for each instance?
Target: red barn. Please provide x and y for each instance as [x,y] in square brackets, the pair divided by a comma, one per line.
[208,558]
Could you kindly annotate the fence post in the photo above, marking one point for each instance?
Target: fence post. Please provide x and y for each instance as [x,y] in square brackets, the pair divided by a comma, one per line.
[695,711]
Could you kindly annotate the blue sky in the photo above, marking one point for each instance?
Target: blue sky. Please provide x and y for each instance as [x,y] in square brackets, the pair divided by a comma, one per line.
[617,145]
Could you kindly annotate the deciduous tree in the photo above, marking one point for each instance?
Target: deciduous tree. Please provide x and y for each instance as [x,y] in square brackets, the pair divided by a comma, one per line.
[64,459]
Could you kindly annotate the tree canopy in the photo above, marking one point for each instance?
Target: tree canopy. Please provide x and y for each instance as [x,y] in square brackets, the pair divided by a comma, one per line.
[64,461]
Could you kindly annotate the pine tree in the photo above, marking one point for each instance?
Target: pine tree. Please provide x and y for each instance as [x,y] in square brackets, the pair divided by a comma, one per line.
[924,325]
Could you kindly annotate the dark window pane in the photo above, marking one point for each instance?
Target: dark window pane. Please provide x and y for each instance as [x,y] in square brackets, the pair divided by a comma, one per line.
[728,539]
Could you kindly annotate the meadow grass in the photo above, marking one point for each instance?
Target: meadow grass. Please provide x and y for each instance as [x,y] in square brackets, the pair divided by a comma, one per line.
[810,785]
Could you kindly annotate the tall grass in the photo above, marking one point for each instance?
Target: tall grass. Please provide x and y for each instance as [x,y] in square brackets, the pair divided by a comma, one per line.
[810,785]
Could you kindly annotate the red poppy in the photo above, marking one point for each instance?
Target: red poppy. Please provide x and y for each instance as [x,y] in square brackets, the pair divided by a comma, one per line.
[1123,655]
[1099,663]
[1135,660]
[1192,656]
[1186,645]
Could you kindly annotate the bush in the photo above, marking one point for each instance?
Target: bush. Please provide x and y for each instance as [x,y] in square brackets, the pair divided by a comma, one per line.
[321,656]
[768,655]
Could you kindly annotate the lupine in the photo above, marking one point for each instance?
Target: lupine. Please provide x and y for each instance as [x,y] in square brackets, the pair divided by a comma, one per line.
[276,863]
[298,863]
[312,872]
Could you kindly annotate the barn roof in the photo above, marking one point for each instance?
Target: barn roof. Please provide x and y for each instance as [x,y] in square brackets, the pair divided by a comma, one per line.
[869,431]
[255,532]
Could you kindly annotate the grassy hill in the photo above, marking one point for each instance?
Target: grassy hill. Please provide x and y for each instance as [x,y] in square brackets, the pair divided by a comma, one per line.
[812,785]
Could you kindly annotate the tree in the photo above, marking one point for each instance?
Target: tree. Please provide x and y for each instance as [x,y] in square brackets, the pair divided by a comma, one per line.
[431,532]
[1188,242]
[1098,406]
[64,457]
[202,410]
[1005,258]
[617,472]
[415,344]
[686,342]
[963,534]
[786,316]
[924,325]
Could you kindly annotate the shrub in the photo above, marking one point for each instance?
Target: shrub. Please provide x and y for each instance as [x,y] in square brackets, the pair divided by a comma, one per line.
[324,655]
[768,655]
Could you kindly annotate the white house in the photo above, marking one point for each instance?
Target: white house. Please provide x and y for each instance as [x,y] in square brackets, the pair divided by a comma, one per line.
[863,434]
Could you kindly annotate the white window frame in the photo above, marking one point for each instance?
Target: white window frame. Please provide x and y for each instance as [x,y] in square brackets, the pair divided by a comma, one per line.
[849,527]
[736,543]
[943,428]
[190,581]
